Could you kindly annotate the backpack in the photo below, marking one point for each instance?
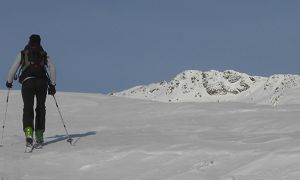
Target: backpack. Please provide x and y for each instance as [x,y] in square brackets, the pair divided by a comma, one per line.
[33,63]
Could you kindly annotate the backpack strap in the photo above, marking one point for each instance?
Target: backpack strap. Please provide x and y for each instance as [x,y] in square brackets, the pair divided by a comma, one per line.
[25,60]
[45,55]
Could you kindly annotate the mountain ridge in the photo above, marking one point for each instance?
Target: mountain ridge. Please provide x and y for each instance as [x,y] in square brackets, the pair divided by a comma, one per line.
[216,86]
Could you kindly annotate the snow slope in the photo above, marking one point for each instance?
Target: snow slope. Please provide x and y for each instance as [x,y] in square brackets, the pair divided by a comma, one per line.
[131,139]
[215,86]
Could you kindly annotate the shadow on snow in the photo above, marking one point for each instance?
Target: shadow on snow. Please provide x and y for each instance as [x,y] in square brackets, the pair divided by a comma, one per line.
[75,137]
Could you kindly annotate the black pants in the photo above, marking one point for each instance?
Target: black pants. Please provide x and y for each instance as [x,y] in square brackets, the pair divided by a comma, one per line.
[31,88]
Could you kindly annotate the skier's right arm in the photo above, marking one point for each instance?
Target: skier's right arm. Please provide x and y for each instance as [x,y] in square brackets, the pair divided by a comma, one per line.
[14,68]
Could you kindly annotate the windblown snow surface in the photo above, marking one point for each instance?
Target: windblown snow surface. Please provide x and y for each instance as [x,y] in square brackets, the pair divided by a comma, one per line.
[119,138]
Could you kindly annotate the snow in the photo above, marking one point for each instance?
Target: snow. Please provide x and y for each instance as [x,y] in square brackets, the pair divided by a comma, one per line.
[131,139]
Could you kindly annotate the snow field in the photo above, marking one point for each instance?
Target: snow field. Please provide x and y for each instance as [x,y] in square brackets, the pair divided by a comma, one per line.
[129,139]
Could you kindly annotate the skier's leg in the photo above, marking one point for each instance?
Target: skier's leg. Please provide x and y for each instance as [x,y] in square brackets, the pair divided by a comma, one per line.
[41,94]
[28,100]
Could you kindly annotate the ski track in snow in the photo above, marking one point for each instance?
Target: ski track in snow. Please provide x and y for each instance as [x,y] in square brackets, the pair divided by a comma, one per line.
[127,139]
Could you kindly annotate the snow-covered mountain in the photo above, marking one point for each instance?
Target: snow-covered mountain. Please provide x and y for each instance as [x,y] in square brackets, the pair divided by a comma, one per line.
[215,86]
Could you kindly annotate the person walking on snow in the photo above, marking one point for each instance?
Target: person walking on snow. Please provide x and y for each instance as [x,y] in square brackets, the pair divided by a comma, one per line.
[37,74]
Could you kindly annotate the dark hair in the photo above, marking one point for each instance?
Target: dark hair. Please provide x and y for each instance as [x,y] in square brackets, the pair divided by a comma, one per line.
[35,39]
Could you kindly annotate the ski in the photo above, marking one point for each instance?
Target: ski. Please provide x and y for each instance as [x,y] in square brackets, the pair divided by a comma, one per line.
[29,145]
[29,148]
[38,145]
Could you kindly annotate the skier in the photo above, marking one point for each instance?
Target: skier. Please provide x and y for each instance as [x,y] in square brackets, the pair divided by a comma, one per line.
[37,74]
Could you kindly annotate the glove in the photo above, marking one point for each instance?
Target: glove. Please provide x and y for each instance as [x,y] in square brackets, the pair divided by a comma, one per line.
[51,89]
[8,85]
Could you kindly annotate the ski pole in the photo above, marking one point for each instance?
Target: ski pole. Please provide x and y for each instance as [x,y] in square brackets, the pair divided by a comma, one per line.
[5,115]
[63,122]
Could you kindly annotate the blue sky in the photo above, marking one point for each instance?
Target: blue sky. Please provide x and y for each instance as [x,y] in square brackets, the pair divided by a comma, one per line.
[106,45]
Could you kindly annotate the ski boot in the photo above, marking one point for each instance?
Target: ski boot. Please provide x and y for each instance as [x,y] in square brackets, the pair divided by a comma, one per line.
[29,139]
[39,136]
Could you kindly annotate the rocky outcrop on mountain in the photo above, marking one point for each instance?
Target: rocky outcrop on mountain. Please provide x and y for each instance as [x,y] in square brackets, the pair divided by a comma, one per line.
[215,86]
